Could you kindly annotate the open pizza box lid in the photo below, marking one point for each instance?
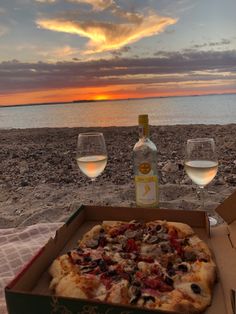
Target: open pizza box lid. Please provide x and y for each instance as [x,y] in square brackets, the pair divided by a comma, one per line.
[227,210]
[23,294]
[223,240]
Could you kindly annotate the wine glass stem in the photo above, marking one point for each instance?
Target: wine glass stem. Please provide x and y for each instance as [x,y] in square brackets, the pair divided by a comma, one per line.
[93,191]
[202,197]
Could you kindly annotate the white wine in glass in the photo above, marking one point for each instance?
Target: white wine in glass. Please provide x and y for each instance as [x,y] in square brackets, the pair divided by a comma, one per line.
[201,172]
[91,154]
[201,165]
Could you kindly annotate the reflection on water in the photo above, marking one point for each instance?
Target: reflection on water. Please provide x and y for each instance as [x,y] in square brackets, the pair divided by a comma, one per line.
[215,109]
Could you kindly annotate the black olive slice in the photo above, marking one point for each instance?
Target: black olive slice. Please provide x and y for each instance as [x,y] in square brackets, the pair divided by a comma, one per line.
[136,284]
[195,288]
[147,298]
[169,281]
[87,258]
[165,247]
[134,299]
[112,273]
[136,295]
[102,265]
[79,249]
[69,254]
[183,268]
[171,272]
[159,228]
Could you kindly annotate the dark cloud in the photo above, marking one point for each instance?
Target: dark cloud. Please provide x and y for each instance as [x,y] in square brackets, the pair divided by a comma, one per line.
[120,52]
[220,43]
[223,42]
[164,67]
[97,5]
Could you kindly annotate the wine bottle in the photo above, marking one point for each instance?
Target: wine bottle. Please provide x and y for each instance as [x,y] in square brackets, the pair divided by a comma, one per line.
[145,168]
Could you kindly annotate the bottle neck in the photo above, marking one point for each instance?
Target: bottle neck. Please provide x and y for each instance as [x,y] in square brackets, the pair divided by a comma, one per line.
[143,130]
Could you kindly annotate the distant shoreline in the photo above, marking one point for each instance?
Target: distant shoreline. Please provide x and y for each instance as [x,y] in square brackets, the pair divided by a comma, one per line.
[106,100]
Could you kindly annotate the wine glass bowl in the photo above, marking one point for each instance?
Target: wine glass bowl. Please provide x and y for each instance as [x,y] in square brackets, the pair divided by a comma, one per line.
[201,164]
[91,155]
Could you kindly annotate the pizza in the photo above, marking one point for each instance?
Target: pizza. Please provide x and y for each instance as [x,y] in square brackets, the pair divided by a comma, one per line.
[156,265]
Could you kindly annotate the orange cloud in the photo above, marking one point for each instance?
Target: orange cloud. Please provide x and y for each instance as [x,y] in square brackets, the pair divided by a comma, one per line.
[105,36]
[58,53]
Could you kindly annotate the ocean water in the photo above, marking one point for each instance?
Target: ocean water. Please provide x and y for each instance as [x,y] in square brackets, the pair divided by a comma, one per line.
[212,109]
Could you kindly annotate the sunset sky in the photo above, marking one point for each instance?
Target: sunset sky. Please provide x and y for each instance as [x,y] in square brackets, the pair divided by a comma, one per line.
[54,50]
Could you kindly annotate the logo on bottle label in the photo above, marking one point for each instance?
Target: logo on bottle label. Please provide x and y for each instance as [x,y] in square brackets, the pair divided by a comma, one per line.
[144,167]
[146,190]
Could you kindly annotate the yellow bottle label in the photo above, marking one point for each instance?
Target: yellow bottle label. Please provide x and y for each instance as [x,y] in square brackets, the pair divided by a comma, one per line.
[144,167]
[146,190]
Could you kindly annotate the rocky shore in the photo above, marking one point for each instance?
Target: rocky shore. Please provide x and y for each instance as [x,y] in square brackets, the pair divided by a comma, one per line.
[40,180]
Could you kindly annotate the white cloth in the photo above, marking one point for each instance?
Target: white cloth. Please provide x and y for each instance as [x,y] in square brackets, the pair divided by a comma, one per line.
[17,247]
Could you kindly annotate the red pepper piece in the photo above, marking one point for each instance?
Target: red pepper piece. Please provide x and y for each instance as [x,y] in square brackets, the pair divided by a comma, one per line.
[121,230]
[175,243]
[177,246]
[106,280]
[157,284]
[147,259]
[153,283]
[139,275]
[131,246]
[102,241]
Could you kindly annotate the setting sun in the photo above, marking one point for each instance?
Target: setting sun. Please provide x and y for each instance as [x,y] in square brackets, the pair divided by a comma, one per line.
[101,97]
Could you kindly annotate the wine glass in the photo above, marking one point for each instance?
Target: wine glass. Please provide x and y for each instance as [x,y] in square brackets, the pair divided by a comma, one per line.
[201,165]
[91,154]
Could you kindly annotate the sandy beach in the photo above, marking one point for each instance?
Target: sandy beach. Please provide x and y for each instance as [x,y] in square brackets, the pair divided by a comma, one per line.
[40,180]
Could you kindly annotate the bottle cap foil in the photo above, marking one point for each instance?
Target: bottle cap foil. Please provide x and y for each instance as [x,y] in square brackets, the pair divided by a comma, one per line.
[143,119]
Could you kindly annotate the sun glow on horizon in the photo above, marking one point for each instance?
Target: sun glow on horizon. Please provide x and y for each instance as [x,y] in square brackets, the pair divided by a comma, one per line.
[102,97]
[71,94]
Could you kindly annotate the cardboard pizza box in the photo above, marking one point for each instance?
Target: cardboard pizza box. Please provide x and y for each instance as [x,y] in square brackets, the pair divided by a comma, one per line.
[223,239]
[28,292]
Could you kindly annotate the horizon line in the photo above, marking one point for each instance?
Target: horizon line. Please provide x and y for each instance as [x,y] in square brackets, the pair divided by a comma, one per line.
[116,99]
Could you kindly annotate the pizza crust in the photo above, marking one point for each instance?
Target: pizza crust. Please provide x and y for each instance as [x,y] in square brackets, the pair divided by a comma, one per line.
[68,286]
[197,301]
[61,266]
[183,230]
[92,234]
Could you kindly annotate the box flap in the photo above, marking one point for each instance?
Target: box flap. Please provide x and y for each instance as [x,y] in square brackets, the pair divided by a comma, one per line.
[232,234]
[225,256]
[233,300]
[227,210]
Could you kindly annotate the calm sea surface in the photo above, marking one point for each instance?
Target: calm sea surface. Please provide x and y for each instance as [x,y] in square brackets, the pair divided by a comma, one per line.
[215,109]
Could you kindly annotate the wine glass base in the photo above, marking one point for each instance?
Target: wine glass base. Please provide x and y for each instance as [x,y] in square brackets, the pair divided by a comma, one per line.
[212,221]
